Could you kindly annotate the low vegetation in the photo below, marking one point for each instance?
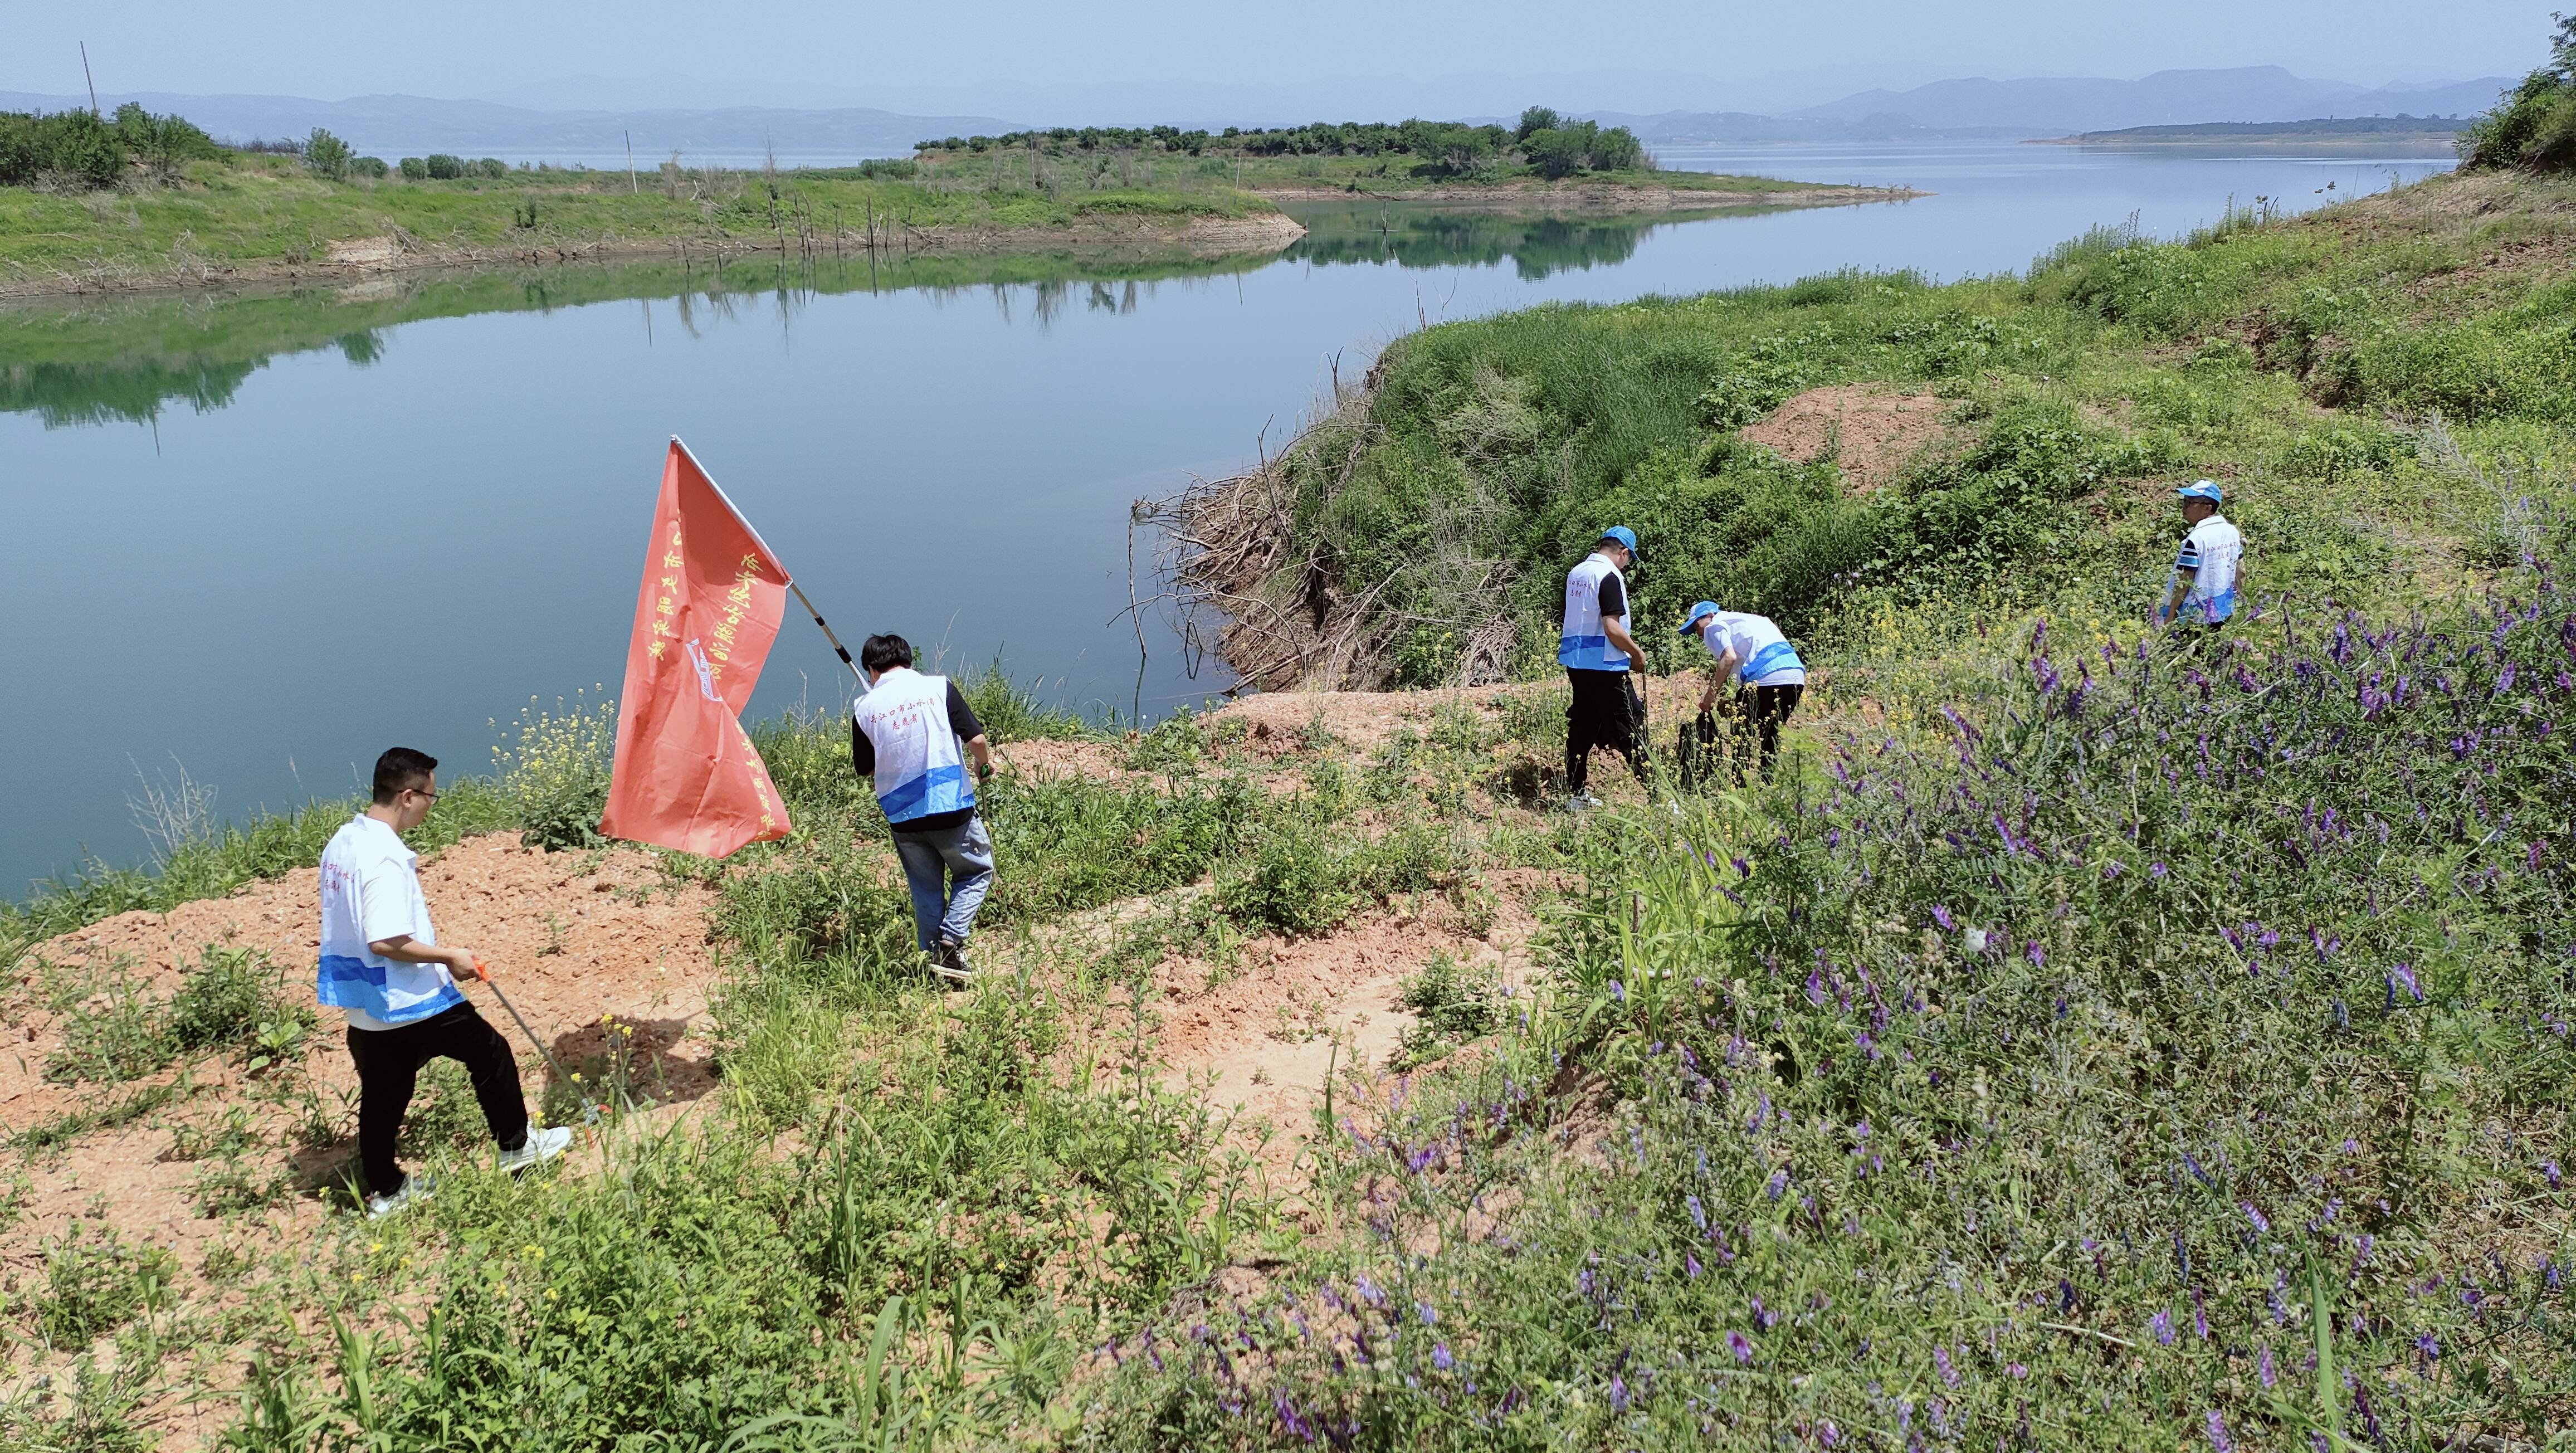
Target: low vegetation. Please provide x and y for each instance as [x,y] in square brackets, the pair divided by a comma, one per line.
[2085,1040]
[1544,144]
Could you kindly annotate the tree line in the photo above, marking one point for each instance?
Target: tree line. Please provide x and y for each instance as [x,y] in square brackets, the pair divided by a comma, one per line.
[1551,144]
[82,150]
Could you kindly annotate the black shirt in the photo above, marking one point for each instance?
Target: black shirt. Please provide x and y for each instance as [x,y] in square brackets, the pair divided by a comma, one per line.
[961,719]
[1614,598]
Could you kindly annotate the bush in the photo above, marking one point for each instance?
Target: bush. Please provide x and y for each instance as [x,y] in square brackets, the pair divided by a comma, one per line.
[414,169]
[492,167]
[69,146]
[555,773]
[327,156]
[370,166]
[1295,883]
[442,167]
[2534,126]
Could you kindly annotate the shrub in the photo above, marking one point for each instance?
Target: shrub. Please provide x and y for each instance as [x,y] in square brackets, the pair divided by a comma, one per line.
[1295,883]
[327,156]
[2534,125]
[442,167]
[492,167]
[414,169]
[555,772]
[71,146]
[370,166]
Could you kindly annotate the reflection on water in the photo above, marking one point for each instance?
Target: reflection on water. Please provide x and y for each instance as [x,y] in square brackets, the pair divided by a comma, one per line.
[1420,235]
[126,359]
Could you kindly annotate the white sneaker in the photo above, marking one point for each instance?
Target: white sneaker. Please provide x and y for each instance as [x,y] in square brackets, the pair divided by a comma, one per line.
[949,962]
[414,1189]
[1582,802]
[542,1145]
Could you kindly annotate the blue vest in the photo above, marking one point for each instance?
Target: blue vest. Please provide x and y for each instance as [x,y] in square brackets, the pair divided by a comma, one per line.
[1585,645]
[919,769]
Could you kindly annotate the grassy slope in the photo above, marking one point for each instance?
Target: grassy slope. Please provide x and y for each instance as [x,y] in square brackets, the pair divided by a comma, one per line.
[2283,359]
[263,210]
[2252,1077]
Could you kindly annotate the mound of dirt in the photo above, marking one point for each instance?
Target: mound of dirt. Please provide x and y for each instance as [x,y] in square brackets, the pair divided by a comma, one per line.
[1877,432]
[571,937]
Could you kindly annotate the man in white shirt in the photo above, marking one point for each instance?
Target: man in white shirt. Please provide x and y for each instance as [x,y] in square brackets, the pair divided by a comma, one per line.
[382,963]
[2200,595]
[1769,678]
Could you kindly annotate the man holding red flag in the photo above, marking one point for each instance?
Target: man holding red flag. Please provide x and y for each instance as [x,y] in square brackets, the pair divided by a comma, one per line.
[686,775]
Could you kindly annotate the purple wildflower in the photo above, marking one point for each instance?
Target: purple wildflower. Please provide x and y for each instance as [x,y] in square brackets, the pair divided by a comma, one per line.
[1618,1393]
[2431,1349]
[1429,1317]
[1778,1183]
[2549,1168]
[1941,1360]
[2155,870]
[1941,916]
[2263,1365]
[2162,1325]
[2219,1442]
[1690,1265]
[2404,973]
[1742,1349]
[1441,1359]
[2255,1216]
[1698,1213]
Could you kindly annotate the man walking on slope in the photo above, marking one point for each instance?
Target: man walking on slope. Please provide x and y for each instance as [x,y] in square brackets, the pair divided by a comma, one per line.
[1597,652]
[905,733]
[1769,677]
[381,962]
[2200,596]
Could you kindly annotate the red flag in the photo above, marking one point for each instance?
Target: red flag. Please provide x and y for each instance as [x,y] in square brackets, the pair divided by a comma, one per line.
[686,774]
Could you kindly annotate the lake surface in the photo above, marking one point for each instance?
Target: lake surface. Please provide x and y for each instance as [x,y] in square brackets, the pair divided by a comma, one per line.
[266,534]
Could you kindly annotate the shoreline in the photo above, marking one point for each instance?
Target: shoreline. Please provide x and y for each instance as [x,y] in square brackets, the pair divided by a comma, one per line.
[1595,198]
[357,259]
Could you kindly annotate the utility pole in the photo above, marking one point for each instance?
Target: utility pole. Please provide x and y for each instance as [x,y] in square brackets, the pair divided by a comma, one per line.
[631,188]
[86,76]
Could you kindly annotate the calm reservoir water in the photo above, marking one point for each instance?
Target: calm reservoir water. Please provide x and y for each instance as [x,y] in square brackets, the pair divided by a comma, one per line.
[265,535]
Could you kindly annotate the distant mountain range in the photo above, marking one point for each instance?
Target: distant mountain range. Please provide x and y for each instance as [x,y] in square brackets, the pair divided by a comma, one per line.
[396,126]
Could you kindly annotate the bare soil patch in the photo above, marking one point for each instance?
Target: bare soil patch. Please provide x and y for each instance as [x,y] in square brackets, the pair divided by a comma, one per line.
[571,938]
[1876,432]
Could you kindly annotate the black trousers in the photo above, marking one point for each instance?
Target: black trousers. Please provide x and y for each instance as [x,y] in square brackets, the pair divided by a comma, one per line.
[1604,712]
[1758,712]
[389,1062]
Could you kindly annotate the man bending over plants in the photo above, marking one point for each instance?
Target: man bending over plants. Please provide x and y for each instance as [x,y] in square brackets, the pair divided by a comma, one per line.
[1769,677]
[382,963]
[906,733]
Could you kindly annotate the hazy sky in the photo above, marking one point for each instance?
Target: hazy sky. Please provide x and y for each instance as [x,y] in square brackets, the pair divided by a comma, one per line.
[915,57]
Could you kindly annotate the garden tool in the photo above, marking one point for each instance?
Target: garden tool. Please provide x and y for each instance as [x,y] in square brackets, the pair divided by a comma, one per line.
[589,1111]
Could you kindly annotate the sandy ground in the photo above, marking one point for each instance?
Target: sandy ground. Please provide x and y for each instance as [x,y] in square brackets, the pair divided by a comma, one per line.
[568,947]
[1879,431]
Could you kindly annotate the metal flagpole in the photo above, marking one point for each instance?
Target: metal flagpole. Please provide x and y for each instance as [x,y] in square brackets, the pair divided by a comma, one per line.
[843,651]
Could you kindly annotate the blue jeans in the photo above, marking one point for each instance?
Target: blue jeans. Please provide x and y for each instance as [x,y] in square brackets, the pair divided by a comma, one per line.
[930,860]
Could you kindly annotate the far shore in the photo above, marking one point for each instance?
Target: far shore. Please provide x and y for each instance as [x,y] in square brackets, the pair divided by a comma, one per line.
[359,258]
[1591,197]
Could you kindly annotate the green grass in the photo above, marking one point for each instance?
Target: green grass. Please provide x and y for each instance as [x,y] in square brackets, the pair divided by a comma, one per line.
[2302,362]
[247,210]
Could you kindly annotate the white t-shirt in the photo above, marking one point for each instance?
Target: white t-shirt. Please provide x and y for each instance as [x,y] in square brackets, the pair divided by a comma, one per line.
[1763,657]
[2211,552]
[370,893]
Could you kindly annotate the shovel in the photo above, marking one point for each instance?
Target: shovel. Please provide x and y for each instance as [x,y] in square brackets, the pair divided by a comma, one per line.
[589,1111]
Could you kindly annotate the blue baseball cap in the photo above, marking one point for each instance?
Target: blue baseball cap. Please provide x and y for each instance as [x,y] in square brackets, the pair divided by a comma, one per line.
[1623,535]
[1698,613]
[2203,489]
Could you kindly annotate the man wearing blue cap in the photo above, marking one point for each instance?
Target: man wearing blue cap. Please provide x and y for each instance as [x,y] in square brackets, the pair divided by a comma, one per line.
[1596,651]
[1769,677]
[2201,594]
